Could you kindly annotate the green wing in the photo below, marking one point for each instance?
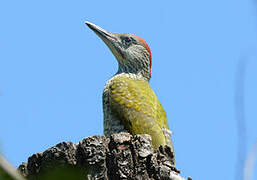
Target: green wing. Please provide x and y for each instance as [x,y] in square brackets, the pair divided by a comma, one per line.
[136,104]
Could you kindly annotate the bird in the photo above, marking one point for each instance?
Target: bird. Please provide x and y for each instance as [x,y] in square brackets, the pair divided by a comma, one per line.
[129,103]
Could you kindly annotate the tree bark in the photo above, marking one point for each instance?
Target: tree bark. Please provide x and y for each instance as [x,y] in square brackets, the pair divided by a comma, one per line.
[122,156]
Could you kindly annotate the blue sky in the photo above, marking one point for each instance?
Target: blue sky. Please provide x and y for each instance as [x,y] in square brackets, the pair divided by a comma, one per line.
[53,69]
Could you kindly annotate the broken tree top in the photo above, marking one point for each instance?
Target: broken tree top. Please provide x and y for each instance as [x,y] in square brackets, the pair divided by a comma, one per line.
[122,156]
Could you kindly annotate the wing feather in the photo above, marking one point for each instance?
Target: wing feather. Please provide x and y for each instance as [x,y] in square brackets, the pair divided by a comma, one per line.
[139,109]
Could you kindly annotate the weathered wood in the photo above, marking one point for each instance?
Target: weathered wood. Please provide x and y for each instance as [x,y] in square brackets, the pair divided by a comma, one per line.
[122,156]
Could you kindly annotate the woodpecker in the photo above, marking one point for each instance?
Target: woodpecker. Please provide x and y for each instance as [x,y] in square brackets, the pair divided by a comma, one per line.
[129,103]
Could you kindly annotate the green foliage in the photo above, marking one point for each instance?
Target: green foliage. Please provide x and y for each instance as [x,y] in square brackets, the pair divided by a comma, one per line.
[7,172]
[4,175]
[63,173]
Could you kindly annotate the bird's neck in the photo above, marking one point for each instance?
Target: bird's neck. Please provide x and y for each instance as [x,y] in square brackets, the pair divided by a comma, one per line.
[131,75]
[133,72]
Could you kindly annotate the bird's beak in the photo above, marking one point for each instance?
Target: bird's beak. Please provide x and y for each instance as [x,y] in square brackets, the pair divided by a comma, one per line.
[109,38]
[102,33]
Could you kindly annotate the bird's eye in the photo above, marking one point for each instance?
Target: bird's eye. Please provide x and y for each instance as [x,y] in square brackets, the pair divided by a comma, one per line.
[127,40]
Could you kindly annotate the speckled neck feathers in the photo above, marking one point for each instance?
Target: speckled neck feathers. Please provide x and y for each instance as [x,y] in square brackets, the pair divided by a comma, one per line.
[136,62]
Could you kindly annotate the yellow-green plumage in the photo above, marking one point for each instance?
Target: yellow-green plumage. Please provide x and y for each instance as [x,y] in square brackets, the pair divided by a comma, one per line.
[136,104]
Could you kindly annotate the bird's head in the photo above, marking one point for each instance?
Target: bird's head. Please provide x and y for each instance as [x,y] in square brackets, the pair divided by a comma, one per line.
[131,51]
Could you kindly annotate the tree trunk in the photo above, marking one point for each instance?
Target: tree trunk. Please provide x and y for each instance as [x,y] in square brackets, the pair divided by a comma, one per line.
[122,156]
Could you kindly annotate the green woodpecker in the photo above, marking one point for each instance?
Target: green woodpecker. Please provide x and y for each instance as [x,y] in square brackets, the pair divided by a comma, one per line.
[129,103]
